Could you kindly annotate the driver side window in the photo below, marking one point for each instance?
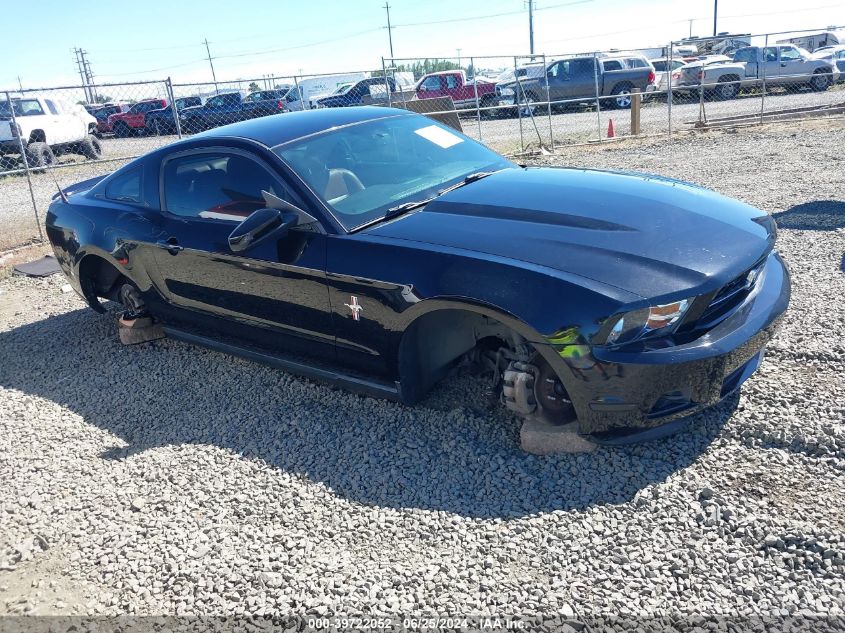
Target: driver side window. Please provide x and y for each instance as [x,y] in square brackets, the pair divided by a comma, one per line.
[432,83]
[218,186]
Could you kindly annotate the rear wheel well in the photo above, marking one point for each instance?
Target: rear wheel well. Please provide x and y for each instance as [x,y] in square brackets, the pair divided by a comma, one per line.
[37,136]
[433,344]
[99,278]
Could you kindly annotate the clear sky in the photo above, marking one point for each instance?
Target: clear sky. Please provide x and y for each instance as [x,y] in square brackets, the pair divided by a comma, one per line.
[129,40]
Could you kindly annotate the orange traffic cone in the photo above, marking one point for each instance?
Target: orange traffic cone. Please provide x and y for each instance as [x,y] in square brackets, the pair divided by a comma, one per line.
[610,132]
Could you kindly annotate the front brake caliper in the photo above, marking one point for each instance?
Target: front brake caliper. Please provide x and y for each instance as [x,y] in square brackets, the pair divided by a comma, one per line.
[518,388]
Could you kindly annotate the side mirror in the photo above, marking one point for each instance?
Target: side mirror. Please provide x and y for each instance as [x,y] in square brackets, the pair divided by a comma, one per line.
[264,224]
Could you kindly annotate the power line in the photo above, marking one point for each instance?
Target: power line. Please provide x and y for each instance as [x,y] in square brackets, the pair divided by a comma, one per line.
[292,48]
[242,54]
[491,15]
[155,70]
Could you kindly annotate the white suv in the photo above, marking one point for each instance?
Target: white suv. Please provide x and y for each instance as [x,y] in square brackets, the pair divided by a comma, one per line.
[48,127]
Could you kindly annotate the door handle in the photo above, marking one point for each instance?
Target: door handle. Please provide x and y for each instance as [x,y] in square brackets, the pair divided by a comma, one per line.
[171,246]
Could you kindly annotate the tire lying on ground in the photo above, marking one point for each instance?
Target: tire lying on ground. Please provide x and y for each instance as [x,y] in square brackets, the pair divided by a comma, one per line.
[39,155]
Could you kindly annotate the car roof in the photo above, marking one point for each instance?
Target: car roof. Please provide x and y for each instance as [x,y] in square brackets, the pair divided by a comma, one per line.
[282,128]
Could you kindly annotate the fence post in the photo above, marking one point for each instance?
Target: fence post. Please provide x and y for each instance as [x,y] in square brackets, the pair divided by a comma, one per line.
[763,96]
[169,88]
[386,85]
[636,102]
[669,96]
[549,105]
[298,92]
[475,90]
[26,166]
[598,100]
[516,101]
[702,115]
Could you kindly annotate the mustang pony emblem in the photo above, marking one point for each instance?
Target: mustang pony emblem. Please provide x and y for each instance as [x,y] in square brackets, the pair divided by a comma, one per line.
[355,307]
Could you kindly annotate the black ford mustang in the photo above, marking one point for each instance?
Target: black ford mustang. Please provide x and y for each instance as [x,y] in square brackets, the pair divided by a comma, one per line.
[378,249]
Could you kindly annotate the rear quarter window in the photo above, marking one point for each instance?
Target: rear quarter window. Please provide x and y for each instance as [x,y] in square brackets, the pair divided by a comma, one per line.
[125,187]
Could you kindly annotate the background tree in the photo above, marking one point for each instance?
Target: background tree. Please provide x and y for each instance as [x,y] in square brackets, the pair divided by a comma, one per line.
[254,87]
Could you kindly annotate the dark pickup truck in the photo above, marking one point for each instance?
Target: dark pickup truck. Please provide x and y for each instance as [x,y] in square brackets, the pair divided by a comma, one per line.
[377,88]
[231,107]
[162,121]
[575,79]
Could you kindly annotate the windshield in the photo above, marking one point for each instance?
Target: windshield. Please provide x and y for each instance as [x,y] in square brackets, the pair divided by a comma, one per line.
[342,88]
[23,107]
[361,171]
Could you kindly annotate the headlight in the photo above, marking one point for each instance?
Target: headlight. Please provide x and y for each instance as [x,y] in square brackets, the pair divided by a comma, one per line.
[638,324]
[507,92]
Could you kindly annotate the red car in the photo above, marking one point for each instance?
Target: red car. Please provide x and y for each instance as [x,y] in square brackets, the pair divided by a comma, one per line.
[133,121]
[102,115]
[465,93]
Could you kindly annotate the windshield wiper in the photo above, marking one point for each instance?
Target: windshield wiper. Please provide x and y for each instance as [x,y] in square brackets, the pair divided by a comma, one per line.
[467,180]
[399,209]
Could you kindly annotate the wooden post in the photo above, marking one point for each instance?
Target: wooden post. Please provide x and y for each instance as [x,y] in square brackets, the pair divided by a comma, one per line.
[636,102]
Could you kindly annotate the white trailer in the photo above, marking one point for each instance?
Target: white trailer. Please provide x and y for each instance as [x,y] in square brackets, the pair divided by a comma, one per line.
[812,41]
[305,92]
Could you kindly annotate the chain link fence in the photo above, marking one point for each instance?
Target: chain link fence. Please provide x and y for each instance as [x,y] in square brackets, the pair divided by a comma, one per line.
[775,79]
[53,137]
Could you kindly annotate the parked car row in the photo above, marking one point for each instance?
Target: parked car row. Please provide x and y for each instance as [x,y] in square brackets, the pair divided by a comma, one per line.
[610,78]
[527,88]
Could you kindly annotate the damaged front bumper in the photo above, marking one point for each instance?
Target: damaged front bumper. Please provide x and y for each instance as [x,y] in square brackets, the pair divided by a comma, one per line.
[622,396]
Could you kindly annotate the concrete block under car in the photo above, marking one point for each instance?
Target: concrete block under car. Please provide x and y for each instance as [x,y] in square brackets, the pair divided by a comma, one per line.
[543,438]
[140,330]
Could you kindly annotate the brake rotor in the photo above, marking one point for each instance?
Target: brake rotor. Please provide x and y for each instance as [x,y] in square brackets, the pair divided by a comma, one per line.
[551,394]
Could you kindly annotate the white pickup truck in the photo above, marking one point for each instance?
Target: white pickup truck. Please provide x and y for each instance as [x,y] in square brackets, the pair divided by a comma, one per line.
[781,65]
[48,127]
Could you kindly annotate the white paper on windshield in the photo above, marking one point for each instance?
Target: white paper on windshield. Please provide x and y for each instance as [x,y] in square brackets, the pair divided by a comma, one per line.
[439,136]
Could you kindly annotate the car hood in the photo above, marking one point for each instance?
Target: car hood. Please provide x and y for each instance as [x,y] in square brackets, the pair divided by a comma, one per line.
[190,110]
[647,235]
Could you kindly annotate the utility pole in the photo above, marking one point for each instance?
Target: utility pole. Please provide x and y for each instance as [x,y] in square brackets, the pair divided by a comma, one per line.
[459,55]
[690,27]
[80,64]
[531,26]
[89,75]
[715,14]
[20,84]
[389,31]
[213,76]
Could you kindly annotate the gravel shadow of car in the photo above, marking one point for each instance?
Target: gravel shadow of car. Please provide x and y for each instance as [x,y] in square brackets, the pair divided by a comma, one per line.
[440,455]
[818,215]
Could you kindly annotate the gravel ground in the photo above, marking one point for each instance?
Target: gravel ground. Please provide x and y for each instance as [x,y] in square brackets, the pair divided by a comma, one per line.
[166,479]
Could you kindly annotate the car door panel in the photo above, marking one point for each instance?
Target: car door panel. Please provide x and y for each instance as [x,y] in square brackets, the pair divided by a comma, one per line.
[791,65]
[558,81]
[273,294]
[255,290]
